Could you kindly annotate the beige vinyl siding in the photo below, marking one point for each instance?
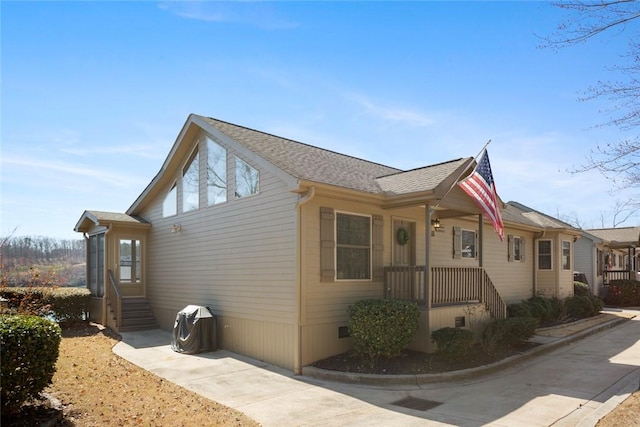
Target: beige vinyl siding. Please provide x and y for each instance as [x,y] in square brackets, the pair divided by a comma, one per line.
[239,259]
[324,304]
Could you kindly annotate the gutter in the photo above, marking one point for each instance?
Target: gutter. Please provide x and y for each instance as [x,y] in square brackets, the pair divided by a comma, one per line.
[537,237]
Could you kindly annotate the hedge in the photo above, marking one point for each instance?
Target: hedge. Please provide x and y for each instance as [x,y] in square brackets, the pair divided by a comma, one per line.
[453,342]
[382,327]
[501,333]
[623,293]
[61,304]
[30,346]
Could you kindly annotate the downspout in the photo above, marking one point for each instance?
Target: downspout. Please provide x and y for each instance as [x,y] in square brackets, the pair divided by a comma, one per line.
[535,260]
[297,357]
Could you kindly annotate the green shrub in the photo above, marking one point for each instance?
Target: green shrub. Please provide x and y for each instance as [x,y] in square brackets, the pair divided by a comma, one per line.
[62,304]
[540,308]
[70,304]
[453,342]
[519,310]
[579,307]
[382,327]
[623,293]
[598,304]
[557,308]
[581,289]
[30,347]
[501,333]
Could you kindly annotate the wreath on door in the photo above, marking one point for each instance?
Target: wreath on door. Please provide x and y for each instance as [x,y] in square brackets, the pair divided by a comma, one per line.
[402,236]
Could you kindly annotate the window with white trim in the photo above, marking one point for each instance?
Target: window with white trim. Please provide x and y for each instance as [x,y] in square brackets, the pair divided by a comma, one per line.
[545,255]
[468,243]
[516,248]
[566,255]
[191,184]
[216,173]
[353,247]
[170,202]
[247,179]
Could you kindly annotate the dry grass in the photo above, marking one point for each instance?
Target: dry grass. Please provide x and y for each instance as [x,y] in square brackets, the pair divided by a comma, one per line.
[98,388]
[627,414]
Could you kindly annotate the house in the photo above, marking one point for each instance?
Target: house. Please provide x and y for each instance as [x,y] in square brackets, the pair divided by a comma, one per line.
[607,254]
[279,238]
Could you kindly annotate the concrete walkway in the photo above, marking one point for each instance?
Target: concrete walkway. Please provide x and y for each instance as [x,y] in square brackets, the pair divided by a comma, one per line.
[579,376]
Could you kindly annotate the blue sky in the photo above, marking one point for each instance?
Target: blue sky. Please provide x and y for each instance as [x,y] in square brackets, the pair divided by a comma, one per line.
[95,93]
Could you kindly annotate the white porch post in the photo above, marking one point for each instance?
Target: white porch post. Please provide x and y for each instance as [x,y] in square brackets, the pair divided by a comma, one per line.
[427,259]
[480,239]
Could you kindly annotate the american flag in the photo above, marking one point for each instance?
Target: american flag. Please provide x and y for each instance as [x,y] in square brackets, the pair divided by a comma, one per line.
[480,186]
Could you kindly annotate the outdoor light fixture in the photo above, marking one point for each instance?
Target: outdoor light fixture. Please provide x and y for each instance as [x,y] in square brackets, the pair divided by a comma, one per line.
[435,223]
[175,228]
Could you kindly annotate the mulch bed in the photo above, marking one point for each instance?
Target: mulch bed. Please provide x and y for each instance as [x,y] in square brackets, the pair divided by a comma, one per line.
[414,362]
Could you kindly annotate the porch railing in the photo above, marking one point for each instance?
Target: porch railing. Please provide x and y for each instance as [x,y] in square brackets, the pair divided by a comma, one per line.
[114,298]
[449,285]
[609,275]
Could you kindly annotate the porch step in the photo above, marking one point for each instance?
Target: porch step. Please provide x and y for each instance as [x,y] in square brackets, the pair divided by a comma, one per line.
[136,315]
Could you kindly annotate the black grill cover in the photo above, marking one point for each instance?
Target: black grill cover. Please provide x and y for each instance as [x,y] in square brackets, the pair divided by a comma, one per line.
[194,330]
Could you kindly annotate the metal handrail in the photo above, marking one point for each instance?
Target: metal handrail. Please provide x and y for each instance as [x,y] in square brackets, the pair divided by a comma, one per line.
[114,298]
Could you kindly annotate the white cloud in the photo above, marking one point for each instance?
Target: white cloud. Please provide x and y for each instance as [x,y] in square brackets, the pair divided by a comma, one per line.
[255,14]
[72,171]
[395,115]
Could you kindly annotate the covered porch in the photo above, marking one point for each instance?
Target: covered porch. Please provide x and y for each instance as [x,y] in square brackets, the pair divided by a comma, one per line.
[449,272]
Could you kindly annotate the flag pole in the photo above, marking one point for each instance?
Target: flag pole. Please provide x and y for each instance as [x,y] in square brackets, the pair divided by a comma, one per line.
[433,209]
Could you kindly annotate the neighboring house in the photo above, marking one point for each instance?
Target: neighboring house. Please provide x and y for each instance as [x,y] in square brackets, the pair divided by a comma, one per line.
[279,238]
[608,253]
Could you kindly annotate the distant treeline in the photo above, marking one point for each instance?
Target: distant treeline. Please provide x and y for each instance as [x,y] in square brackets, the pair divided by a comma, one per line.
[28,250]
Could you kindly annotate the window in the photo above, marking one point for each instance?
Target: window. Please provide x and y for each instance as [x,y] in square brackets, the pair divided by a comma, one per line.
[516,248]
[96,265]
[566,255]
[468,244]
[464,243]
[129,260]
[544,255]
[170,203]
[216,173]
[353,247]
[247,179]
[190,185]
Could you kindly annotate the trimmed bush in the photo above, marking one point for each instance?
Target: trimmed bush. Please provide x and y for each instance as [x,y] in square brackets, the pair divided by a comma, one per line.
[540,308]
[579,307]
[557,308]
[519,310]
[62,304]
[581,289]
[623,293]
[382,327]
[453,342]
[598,304]
[501,333]
[30,346]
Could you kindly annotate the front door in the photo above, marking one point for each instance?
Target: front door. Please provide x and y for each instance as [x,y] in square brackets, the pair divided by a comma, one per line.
[404,246]
[129,261]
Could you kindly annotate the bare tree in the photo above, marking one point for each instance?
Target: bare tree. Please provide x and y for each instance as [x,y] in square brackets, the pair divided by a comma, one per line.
[618,160]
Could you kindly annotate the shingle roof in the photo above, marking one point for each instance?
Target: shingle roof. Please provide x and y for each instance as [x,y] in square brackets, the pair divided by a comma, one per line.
[307,162]
[422,179]
[521,214]
[622,235]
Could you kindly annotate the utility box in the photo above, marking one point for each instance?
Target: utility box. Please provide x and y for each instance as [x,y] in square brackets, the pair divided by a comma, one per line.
[194,330]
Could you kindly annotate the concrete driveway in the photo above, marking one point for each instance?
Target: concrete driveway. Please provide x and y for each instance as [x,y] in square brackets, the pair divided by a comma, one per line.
[574,385]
